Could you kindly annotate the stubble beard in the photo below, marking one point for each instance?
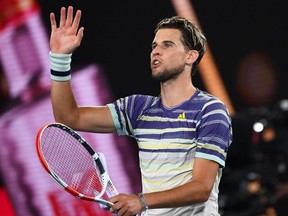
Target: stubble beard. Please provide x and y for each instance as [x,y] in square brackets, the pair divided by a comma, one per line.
[168,73]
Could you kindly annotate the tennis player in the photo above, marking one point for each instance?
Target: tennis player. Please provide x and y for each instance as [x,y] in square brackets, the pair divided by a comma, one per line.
[183,134]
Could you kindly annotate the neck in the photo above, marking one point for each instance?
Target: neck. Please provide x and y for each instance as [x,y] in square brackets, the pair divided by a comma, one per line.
[174,92]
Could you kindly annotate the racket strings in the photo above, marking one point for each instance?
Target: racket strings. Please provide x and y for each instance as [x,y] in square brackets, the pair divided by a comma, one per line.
[71,161]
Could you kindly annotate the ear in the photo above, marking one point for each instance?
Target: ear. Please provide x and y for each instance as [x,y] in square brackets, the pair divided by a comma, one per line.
[192,56]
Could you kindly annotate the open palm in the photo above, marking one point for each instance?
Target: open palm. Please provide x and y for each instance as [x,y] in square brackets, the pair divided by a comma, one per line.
[68,36]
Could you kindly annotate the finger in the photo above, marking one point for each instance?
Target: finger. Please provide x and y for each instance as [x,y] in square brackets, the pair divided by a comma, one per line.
[113,199]
[122,211]
[69,16]
[80,35]
[76,21]
[113,211]
[115,207]
[53,21]
[62,17]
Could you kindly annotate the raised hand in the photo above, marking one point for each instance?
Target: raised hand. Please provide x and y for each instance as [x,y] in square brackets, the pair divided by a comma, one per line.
[68,36]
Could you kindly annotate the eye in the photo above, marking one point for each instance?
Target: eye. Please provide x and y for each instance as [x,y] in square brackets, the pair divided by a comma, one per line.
[167,44]
[154,45]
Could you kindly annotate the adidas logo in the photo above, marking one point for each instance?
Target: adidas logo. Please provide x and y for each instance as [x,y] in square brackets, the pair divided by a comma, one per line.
[182,116]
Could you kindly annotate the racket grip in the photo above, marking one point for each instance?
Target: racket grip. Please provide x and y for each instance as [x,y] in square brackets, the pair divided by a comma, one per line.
[107,208]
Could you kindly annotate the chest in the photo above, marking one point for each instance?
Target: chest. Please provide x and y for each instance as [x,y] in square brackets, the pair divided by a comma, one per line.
[174,126]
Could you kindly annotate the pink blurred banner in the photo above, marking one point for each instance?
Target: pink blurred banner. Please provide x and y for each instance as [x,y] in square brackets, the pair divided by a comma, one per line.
[24,57]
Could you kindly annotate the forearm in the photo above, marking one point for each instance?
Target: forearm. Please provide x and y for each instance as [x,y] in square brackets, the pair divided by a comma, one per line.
[188,194]
[63,102]
[198,190]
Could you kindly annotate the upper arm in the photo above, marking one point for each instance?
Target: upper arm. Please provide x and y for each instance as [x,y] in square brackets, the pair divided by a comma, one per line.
[94,119]
[214,133]
[66,111]
[205,172]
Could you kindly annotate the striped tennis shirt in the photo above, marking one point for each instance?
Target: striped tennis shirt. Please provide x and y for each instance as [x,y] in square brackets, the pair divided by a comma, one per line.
[169,139]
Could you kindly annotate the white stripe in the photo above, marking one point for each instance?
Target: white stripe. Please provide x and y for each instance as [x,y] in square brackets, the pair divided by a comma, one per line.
[161,131]
[160,119]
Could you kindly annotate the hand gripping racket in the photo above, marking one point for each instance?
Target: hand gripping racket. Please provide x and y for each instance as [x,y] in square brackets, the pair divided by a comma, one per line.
[72,163]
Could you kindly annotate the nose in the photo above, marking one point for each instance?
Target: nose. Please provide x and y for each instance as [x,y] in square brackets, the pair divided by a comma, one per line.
[156,51]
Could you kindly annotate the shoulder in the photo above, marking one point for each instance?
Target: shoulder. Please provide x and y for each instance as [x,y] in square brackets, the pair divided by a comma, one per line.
[135,104]
[141,100]
[208,101]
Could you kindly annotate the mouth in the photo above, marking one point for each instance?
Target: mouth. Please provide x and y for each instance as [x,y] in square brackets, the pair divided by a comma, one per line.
[155,63]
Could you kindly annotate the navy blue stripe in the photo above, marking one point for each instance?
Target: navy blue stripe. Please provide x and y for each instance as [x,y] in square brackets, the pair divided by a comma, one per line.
[60,73]
[168,135]
[211,152]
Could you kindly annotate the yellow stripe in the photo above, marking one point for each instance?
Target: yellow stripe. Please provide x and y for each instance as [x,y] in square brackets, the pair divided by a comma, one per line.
[178,167]
[164,181]
[153,145]
[219,150]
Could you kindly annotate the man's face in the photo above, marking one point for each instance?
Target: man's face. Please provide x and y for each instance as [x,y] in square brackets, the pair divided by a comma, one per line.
[168,55]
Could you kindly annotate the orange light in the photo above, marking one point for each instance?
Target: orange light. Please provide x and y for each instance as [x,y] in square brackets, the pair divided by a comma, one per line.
[13,12]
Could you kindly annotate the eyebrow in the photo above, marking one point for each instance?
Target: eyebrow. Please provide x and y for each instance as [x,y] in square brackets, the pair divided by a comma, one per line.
[163,42]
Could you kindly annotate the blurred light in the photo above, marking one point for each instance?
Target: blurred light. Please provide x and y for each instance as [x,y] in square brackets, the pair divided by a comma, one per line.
[259,126]
[257,80]
[284,105]
[269,134]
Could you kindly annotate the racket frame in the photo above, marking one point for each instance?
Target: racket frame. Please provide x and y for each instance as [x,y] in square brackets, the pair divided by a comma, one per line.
[97,162]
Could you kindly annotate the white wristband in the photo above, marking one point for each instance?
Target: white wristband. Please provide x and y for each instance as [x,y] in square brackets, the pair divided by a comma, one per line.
[60,66]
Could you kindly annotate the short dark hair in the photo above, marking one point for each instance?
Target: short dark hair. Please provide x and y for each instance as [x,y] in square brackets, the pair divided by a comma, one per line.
[192,37]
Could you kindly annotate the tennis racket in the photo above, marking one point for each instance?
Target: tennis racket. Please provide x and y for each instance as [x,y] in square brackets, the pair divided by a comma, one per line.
[72,163]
